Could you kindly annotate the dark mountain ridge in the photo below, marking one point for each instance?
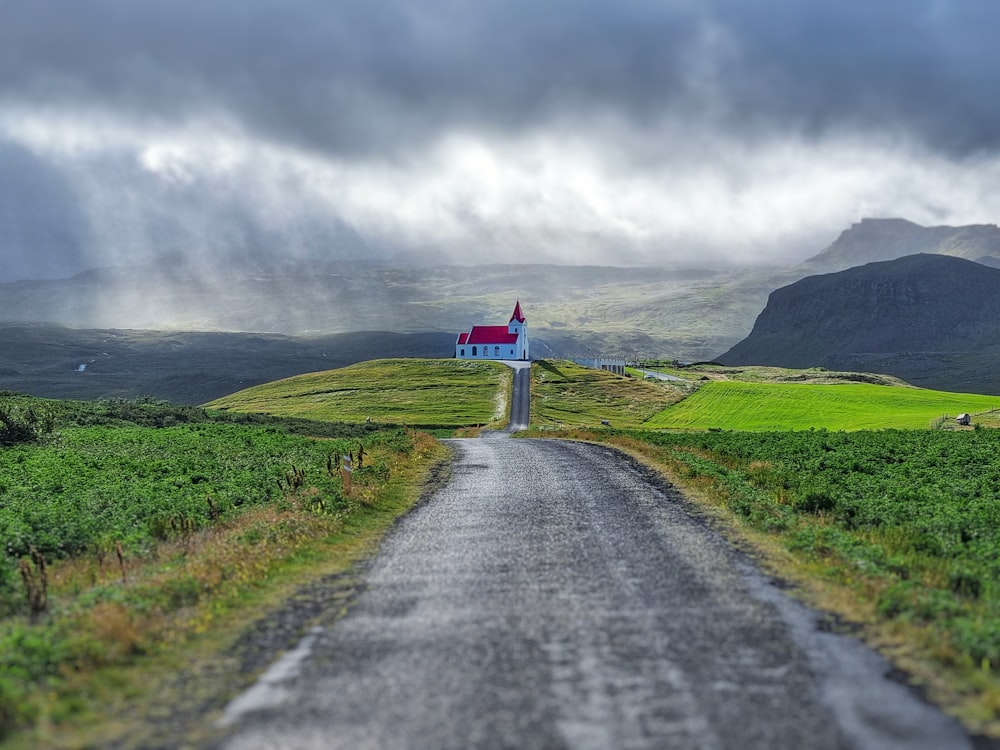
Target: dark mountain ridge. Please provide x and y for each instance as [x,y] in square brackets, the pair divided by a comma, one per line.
[903,317]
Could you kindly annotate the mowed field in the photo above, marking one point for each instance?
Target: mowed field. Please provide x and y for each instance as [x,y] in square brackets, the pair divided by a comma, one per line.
[422,392]
[734,405]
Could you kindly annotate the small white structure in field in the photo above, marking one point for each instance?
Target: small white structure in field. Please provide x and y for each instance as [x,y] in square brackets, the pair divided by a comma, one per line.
[963,419]
[496,342]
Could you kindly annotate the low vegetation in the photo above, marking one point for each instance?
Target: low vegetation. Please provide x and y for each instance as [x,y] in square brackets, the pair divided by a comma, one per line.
[904,525]
[429,393]
[132,527]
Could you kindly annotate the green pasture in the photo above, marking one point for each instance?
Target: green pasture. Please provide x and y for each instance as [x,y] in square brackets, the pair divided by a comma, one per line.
[736,405]
[426,392]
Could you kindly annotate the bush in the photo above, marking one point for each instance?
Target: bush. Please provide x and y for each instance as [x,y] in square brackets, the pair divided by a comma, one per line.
[12,598]
[24,422]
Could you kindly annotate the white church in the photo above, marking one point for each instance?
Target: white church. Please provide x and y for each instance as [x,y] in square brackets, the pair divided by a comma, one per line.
[496,342]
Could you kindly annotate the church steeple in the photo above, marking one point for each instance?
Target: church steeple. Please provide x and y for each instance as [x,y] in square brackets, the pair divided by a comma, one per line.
[518,315]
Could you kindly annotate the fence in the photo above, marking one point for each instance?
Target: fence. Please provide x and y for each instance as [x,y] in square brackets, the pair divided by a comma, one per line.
[611,364]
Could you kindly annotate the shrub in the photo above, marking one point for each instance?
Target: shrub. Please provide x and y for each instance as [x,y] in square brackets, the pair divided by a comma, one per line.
[24,422]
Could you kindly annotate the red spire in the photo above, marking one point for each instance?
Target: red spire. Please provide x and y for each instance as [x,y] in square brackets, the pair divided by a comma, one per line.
[518,315]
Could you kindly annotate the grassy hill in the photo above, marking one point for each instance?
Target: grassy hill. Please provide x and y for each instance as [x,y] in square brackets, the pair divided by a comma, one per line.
[424,392]
[565,394]
[734,405]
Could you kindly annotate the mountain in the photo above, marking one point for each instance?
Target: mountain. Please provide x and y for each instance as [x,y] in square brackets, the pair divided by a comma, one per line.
[932,320]
[887,239]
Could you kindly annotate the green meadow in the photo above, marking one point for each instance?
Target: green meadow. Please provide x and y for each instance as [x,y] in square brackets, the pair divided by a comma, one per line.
[735,405]
[420,392]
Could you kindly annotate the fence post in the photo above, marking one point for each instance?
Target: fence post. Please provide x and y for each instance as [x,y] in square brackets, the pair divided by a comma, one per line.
[345,472]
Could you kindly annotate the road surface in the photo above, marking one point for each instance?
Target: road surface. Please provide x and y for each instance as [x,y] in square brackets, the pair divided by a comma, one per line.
[557,595]
[520,402]
[662,376]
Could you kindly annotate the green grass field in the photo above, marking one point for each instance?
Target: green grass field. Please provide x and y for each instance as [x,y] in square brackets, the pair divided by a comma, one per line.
[783,406]
[425,392]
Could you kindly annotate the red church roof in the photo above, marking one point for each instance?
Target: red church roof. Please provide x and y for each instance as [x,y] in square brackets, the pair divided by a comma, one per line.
[488,335]
[518,315]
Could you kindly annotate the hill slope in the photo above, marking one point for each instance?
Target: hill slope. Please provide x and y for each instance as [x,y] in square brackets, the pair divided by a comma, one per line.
[692,314]
[178,366]
[420,392]
[909,317]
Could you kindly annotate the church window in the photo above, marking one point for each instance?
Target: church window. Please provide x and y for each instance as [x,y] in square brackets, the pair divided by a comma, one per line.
[474,352]
[496,351]
[462,354]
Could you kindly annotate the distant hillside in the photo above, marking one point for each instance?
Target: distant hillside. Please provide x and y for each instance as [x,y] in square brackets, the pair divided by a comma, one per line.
[932,320]
[887,239]
[182,367]
[655,312]
[687,313]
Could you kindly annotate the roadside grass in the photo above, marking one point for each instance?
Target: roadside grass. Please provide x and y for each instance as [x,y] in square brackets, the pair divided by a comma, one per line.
[155,547]
[896,532]
[733,405]
[421,392]
[565,395]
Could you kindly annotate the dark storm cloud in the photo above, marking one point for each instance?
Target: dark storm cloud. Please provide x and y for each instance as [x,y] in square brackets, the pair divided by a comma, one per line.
[605,131]
[355,76]
[351,75]
[926,68]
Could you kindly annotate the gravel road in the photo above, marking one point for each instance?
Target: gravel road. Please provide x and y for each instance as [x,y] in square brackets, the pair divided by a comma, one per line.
[520,403]
[557,594]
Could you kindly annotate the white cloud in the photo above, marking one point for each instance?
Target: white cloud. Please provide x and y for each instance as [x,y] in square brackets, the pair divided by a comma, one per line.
[588,193]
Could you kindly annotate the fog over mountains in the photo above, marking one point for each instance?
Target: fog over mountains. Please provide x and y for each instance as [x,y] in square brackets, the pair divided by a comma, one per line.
[688,314]
[684,312]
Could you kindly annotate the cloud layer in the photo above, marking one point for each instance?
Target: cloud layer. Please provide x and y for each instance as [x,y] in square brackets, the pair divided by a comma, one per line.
[669,132]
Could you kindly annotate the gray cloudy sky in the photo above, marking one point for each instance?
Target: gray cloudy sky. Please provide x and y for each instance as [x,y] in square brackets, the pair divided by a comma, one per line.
[591,131]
